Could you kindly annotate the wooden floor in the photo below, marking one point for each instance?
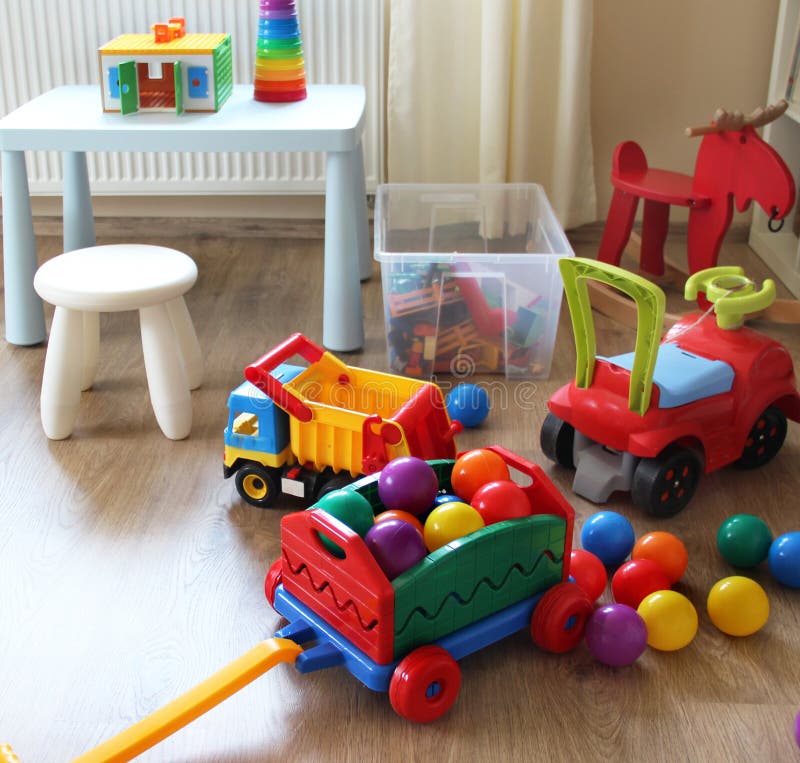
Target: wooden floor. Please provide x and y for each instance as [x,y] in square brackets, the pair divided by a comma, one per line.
[130,570]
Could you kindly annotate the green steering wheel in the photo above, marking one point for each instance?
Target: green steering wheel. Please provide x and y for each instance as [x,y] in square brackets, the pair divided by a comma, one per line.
[731,292]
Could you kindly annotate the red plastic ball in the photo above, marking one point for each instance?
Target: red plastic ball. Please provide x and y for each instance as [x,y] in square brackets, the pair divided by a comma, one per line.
[666,549]
[588,572]
[637,579]
[501,500]
[474,469]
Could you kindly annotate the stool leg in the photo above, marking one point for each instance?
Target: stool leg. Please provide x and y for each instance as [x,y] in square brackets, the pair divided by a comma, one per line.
[61,382]
[618,226]
[91,347]
[187,341]
[166,376]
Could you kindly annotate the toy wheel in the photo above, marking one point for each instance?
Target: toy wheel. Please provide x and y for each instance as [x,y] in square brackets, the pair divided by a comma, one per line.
[256,485]
[559,619]
[273,579]
[665,484]
[425,685]
[765,439]
[556,439]
[337,482]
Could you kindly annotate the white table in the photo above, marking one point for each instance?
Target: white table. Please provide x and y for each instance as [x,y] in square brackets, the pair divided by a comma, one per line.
[70,119]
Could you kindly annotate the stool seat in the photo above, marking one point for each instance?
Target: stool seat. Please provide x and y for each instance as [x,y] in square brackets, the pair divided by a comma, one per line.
[85,282]
[115,277]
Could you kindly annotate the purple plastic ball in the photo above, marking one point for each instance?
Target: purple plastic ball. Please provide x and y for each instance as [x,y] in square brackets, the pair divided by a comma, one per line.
[797,729]
[408,484]
[616,635]
[396,546]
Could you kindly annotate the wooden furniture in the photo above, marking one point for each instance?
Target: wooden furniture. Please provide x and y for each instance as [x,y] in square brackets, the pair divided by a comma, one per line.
[781,251]
[70,119]
[104,279]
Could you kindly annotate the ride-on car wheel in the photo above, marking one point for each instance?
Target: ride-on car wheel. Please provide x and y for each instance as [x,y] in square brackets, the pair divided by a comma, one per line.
[556,439]
[425,684]
[765,439]
[559,619]
[665,484]
[256,485]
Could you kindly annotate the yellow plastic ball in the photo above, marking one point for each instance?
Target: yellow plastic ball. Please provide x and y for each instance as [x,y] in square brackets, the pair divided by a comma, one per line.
[671,620]
[450,521]
[738,606]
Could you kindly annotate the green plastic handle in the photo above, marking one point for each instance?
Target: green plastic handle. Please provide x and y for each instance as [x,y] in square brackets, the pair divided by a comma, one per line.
[731,292]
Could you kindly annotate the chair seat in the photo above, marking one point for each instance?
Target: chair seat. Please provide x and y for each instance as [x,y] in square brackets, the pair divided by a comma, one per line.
[115,277]
[660,185]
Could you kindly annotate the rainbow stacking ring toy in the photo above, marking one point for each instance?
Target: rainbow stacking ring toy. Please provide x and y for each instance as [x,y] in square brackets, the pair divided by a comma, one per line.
[280,74]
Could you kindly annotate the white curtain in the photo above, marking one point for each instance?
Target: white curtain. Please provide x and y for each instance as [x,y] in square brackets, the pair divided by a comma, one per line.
[493,91]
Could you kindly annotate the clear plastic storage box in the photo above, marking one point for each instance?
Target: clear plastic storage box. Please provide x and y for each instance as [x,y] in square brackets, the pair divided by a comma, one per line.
[470,278]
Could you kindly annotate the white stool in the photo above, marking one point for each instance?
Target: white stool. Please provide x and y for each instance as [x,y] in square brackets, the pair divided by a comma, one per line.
[107,279]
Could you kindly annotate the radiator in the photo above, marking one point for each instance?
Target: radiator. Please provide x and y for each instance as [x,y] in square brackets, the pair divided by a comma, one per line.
[46,43]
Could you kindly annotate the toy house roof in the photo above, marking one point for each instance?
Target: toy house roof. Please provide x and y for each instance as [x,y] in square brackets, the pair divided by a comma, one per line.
[190,44]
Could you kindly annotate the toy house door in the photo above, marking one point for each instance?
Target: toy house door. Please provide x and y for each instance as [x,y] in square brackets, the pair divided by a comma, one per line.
[178,78]
[128,87]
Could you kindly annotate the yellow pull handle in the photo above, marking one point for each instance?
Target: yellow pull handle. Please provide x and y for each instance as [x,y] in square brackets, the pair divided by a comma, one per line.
[191,705]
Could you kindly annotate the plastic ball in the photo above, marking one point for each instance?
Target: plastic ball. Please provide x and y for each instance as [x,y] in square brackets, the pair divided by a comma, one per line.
[738,606]
[408,483]
[501,500]
[671,620]
[616,635]
[403,516]
[784,559]
[744,540]
[666,549]
[636,579]
[348,507]
[468,404]
[445,498]
[396,546]
[588,572]
[449,522]
[474,469]
[609,536]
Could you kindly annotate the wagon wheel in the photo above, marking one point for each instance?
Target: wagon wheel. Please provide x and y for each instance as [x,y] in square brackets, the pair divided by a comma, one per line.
[765,439]
[273,579]
[257,485]
[665,484]
[559,619]
[425,684]
[557,438]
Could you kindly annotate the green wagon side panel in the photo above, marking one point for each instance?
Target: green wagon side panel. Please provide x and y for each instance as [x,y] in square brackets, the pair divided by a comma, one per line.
[476,576]
[223,73]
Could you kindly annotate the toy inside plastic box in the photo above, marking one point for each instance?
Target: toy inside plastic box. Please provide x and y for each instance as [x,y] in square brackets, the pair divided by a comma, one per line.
[470,278]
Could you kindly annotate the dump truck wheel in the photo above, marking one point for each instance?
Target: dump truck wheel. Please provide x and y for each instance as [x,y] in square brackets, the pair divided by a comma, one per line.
[425,684]
[556,440]
[337,482]
[559,619]
[765,439]
[256,485]
[273,579]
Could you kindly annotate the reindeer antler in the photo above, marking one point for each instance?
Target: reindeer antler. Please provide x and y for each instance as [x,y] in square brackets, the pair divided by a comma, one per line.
[734,120]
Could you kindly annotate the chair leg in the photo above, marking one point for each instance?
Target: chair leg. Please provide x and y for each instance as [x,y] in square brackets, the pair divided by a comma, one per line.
[61,382]
[166,375]
[655,224]
[187,341]
[91,349]
[618,226]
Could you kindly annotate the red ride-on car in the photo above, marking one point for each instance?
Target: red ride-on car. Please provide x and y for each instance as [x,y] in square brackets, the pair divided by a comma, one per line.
[712,393]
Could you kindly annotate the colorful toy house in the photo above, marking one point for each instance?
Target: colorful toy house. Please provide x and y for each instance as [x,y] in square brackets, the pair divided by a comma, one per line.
[166,70]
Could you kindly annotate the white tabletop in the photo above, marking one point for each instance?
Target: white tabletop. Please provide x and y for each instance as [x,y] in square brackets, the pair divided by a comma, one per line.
[71,118]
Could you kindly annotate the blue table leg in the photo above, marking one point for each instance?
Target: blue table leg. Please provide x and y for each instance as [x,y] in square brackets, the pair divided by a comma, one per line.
[362,222]
[342,315]
[78,214]
[24,311]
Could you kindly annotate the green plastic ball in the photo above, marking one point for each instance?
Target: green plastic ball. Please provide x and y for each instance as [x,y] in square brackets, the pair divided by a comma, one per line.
[744,540]
[348,507]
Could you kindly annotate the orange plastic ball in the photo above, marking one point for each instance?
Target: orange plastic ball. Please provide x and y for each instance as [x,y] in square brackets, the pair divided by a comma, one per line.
[666,549]
[474,469]
[405,516]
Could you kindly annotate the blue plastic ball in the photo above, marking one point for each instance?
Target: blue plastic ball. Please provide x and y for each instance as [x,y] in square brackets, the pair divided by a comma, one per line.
[609,536]
[784,559]
[468,404]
